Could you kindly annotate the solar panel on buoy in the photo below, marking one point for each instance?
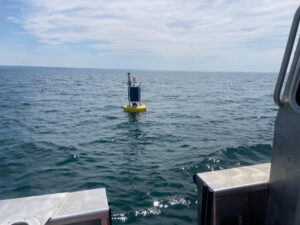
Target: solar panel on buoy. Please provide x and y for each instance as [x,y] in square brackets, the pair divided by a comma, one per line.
[134,94]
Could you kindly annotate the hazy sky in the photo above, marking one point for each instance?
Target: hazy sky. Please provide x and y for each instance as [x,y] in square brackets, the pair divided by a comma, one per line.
[231,35]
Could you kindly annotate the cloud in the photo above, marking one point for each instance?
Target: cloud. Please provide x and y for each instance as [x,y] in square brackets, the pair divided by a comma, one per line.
[168,28]
[13,19]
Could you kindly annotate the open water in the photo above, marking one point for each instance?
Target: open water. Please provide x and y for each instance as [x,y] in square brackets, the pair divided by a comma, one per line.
[65,130]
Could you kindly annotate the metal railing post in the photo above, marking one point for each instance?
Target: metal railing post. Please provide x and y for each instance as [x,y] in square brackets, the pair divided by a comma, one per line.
[286,58]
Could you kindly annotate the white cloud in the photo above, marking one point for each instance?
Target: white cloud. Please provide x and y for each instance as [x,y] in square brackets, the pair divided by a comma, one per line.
[169,28]
[13,19]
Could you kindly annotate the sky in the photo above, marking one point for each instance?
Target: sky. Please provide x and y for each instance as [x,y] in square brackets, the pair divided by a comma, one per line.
[190,35]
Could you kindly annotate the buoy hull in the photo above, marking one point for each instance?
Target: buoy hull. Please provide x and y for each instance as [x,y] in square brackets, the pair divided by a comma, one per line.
[135,109]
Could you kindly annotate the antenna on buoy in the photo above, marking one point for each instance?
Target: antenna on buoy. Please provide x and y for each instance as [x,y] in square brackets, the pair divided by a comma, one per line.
[129,80]
[134,97]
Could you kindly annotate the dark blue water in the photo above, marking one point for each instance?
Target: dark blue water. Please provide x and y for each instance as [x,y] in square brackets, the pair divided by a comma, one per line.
[65,130]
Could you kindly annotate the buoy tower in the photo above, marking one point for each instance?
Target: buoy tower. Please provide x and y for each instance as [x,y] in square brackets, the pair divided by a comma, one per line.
[134,97]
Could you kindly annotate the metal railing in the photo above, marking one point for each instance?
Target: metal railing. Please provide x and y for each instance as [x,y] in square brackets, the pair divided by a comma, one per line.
[286,58]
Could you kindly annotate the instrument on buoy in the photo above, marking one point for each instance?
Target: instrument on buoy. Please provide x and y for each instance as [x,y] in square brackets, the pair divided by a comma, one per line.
[134,97]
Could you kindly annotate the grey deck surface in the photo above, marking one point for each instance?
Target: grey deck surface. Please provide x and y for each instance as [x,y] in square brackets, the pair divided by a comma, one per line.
[34,210]
[237,177]
[82,205]
[55,209]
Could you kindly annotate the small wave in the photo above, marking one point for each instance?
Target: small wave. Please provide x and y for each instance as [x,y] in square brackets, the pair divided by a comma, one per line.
[110,107]
[111,117]
[70,159]
[120,217]
[98,141]
[23,189]
[185,146]
[91,185]
[232,157]
[162,206]
[51,111]
[146,212]
[67,148]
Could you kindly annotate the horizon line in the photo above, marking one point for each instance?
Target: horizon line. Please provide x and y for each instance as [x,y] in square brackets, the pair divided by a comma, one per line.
[127,69]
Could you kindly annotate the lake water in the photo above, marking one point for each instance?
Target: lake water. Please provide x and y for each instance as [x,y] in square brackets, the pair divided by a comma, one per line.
[65,130]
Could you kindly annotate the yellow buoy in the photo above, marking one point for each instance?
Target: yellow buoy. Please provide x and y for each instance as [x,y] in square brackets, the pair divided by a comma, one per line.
[135,109]
[134,97]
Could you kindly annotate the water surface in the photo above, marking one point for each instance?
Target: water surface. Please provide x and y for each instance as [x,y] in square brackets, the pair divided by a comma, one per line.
[65,130]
